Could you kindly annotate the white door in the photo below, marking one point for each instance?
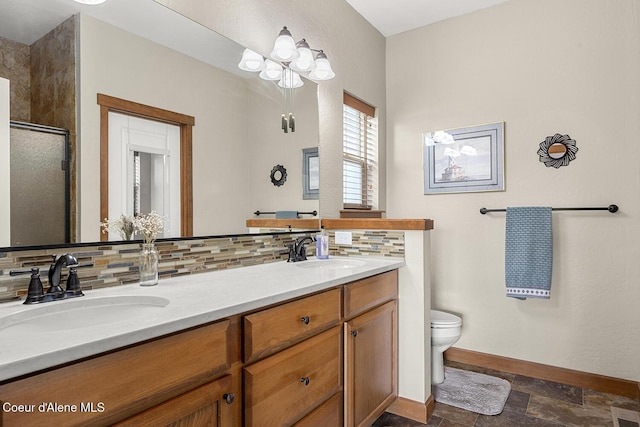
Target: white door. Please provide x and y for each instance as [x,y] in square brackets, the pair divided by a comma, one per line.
[144,170]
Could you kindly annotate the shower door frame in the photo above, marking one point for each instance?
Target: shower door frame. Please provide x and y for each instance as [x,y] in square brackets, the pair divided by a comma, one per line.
[66,166]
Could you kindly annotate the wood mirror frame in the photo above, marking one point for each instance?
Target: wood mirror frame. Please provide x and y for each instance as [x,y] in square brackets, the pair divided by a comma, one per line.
[186,123]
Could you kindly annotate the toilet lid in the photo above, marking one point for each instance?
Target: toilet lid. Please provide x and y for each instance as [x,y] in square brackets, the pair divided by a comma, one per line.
[441,319]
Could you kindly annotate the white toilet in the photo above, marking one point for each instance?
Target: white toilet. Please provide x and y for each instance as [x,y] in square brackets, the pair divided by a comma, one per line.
[445,331]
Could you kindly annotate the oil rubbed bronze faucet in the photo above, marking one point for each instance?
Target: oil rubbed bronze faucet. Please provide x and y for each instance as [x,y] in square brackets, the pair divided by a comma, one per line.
[297,250]
[36,293]
[55,271]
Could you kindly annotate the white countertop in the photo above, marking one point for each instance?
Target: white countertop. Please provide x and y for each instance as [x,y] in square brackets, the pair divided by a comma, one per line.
[193,300]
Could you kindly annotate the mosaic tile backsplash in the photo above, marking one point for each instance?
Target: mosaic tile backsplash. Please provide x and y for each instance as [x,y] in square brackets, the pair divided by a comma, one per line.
[117,264]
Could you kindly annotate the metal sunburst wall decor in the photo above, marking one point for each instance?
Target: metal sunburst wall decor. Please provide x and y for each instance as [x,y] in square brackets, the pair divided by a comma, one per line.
[278,175]
[557,150]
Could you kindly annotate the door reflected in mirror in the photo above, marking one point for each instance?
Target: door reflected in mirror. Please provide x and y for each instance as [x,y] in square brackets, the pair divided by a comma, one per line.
[143,157]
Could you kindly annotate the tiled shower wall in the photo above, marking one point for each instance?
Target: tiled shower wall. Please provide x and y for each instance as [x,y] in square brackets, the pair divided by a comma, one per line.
[43,87]
[117,264]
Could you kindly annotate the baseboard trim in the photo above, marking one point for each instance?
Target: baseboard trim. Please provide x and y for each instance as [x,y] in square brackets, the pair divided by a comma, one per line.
[412,409]
[591,381]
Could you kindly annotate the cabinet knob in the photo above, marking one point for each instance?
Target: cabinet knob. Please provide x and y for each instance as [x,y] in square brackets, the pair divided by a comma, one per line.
[354,333]
[305,380]
[305,319]
[229,398]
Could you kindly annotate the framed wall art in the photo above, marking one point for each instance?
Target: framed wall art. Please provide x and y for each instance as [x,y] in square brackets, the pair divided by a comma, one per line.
[310,174]
[469,159]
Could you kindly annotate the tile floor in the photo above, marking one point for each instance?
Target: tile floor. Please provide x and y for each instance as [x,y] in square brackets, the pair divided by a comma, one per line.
[533,402]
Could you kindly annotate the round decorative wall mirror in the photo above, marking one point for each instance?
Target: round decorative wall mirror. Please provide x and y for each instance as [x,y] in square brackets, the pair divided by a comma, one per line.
[278,175]
[557,150]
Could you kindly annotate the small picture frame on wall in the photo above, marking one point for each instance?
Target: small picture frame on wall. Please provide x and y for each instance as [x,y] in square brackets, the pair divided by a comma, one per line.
[469,159]
[310,174]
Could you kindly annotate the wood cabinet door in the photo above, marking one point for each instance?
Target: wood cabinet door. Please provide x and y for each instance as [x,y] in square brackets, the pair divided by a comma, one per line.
[370,380]
[208,405]
[125,382]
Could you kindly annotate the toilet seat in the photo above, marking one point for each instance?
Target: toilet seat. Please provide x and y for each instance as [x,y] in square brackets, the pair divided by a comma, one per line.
[441,320]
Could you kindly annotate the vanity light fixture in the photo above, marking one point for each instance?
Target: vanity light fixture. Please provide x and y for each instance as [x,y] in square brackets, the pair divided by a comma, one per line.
[323,70]
[284,49]
[272,70]
[251,61]
[287,60]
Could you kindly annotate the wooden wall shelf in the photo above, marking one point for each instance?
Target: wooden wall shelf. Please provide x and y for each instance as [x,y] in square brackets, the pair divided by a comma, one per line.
[299,224]
[377,224]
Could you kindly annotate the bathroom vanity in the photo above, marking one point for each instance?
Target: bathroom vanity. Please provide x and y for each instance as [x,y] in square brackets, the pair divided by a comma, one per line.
[310,343]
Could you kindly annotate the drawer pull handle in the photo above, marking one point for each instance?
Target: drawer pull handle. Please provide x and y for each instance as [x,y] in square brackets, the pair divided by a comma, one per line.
[229,398]
[354,333]
[305,319]
[305,380]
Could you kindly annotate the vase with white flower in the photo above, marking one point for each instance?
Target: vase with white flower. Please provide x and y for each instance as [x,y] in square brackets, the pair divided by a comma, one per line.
[123,226]
[149,225]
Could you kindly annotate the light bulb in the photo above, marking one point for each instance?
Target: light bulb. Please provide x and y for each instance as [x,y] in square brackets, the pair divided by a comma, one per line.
[251,61]
[323,69]
[305,62]
[271,71]
[284,48]
[290,80]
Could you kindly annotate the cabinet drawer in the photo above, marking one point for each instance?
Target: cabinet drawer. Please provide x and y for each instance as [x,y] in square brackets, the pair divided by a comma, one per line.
[274,329]
[327,414]
[280,389]
[367,293]
[204,406]
[124,382]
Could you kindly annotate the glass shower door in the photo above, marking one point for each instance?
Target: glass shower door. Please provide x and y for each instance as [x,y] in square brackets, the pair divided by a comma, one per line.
[39,185]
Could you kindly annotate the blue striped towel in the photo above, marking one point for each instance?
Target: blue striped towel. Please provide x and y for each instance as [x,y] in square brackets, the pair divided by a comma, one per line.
[528,252]
[286,214]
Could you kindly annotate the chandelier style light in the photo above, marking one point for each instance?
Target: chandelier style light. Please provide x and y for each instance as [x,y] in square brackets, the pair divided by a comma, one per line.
[287,61]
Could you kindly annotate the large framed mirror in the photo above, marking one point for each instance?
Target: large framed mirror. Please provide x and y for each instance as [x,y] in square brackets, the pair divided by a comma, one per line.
[143,52]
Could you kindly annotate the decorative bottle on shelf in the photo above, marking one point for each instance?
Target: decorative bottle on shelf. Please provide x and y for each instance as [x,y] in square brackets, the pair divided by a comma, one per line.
[322,245]
[148,265]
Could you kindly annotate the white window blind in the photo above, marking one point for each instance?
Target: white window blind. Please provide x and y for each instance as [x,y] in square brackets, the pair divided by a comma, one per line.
[136,183]
[359,147]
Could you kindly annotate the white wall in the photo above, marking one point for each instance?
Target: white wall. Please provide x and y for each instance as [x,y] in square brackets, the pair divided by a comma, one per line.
[236,138]
[542,67]
[355,49]
[270,146]
[111,64]
[5,175]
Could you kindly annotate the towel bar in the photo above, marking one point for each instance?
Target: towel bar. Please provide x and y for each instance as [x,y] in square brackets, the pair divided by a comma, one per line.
[258,213]
[610,208]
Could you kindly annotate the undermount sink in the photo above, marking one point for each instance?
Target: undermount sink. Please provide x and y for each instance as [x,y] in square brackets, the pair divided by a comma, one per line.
[60,316]
[331,264]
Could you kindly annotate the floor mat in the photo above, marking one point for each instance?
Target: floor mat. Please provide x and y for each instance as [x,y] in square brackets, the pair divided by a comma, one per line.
[472,391]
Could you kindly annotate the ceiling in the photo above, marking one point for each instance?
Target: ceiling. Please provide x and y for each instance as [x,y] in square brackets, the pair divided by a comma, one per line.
[389,17]
[398,16]
[26,21]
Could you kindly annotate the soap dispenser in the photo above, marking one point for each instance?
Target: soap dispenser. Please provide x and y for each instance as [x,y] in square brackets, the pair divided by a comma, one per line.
[322,245]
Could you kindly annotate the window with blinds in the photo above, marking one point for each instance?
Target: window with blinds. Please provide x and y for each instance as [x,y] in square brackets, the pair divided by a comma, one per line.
[359,147]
